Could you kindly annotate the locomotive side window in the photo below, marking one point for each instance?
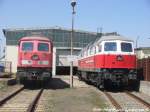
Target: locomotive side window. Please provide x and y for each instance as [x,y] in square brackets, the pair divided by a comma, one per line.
[27,46]
[92,50]
[126,47]
[43,47]
[110,46]
[99,47]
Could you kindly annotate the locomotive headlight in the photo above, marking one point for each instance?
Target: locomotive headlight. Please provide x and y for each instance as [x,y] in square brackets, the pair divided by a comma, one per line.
[35,57]
[43,62]
[26,62]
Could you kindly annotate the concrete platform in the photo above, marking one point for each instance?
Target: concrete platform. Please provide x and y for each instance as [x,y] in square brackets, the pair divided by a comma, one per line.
[8,81]
[145,87]
[76,82]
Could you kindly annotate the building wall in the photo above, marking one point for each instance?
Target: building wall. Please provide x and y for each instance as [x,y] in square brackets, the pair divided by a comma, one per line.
[12,55]
[62,56]
[142,54]
[59,36]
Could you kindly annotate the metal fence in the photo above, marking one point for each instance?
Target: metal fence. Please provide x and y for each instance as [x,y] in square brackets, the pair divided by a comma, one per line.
[143,66]
[5,67]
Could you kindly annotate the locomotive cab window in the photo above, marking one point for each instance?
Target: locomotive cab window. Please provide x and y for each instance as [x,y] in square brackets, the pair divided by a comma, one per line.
[110,46]
[43,47]
[126,47]
[27,46]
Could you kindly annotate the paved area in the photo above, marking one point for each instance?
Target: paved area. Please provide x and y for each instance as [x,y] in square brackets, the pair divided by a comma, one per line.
[76,82]
[145,87]
[59,97]
[8,81]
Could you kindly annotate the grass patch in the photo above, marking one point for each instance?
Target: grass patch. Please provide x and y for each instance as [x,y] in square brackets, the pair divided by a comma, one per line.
[73,100]
[3,86]
[97,100]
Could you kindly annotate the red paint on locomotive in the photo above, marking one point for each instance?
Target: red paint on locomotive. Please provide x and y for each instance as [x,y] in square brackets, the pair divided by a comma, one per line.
[108,61]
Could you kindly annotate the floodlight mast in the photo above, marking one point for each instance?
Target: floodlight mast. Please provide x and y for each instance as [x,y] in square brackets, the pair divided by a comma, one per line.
[73,4]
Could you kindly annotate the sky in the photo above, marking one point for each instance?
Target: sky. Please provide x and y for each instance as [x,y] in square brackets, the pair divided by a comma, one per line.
[130,18]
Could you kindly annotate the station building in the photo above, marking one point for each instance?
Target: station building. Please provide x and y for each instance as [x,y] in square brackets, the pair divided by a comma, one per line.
[142,52]
[61,42]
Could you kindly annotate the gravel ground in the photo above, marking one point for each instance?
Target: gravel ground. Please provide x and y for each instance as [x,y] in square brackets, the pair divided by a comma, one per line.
[58,97]
[127,102]
[142,96]
[20,102]
[5,89]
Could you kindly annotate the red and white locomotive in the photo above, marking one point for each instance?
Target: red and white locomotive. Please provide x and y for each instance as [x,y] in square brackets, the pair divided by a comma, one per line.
[108,61]
[34,59]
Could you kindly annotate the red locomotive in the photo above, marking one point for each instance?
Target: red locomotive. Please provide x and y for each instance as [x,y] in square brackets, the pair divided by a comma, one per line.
[109,61]
[34,59]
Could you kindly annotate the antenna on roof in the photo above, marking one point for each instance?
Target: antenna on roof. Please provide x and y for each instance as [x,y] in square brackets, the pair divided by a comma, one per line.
[99,32]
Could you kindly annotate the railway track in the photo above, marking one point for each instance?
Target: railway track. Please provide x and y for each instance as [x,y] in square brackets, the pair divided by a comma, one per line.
[126,101]
[139,99]
[113,101]
[4,100]
[22,100]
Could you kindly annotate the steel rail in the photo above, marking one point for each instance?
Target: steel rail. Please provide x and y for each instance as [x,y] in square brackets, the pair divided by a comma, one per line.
[3,101]
[114,102]
[139,99]
[33,104]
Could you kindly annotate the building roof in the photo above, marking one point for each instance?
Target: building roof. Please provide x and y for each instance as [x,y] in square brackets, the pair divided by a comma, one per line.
[59,36]
[45,28]
[143,48]
[114,37]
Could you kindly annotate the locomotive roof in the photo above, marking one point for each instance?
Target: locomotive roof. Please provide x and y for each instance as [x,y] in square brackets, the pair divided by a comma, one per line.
[113,37]
[106,38]
[35,38]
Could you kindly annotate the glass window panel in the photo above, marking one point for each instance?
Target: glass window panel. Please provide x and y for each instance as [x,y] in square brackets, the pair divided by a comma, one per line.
[27,46]
[110,46]
[126,47]
[43,47]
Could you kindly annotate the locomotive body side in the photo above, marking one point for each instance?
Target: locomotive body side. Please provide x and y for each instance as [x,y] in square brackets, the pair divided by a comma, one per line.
[34,59]
[110,61]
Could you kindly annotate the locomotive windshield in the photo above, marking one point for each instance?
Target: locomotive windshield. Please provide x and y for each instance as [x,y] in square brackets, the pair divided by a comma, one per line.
[43,47]
[110,46]
[27,46]
[126,47]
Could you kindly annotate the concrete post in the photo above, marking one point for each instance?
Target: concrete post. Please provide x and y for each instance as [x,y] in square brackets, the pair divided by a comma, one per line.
[54,62]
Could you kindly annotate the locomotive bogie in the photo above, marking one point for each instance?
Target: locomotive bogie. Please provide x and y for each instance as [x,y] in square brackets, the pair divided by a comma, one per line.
[34,74]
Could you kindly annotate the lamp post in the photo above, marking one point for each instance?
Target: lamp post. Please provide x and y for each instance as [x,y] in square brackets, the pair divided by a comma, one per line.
[73,3]
[146,77]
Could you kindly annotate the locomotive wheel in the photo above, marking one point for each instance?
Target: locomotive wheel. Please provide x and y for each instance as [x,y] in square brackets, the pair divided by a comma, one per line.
[22,82]
[19,81]
[134,85]
[107,84]
[80,78]
[99,83]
